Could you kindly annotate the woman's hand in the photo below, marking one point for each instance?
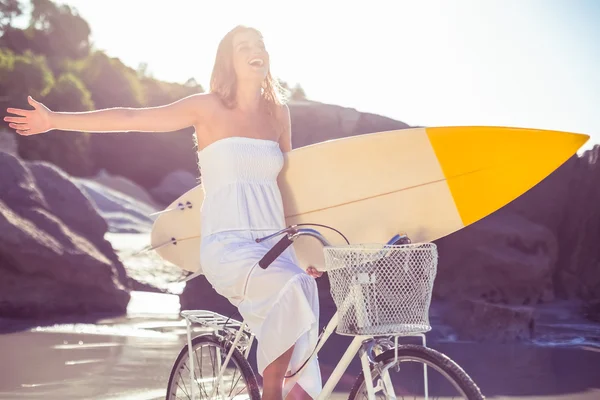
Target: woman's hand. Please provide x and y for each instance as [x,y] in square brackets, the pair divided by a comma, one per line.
[30,122]
[312,271]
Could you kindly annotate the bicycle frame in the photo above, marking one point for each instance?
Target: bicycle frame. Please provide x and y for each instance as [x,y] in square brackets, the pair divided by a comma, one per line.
[356,346]
[217,322]
[365,360]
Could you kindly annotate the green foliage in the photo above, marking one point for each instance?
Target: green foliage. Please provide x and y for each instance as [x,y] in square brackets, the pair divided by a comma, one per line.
[69,94]
[7,62]
[22,74]
[60,32]
[156,93]
[111,83]
[9,9]
[296,93]
[51,60]
[70,151]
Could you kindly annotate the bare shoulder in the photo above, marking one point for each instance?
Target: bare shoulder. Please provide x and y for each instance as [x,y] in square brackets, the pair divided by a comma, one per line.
[284,122]
[283,111]
[203,101]
[282,114]
[203,106]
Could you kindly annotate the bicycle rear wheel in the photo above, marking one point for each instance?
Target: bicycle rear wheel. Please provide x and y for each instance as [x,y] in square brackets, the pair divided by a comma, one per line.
[238,381]
[446,379]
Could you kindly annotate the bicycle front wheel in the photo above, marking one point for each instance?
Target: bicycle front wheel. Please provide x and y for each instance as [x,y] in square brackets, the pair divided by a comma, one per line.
[209,353]
[403,378]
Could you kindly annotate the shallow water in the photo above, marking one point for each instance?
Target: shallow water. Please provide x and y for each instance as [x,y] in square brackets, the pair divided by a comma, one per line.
[131,357]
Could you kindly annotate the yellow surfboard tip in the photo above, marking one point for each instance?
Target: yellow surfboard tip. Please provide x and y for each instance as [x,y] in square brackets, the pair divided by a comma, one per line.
[488,167]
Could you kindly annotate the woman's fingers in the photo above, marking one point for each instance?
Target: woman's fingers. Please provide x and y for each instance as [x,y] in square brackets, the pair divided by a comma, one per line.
[15,119]
[33,103]
[20,132]
[312,271]
[19,126]
[18,111]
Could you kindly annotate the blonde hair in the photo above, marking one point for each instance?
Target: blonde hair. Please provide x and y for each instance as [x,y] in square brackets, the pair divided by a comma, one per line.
[223,81]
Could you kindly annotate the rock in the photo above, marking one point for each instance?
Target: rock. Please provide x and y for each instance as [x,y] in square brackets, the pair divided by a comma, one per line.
[503,258]
[592,310]
[74,209]
[174,185]
[314,122]
[48,266]
[123,213]
[157,154]
[547,202]
[199,294]
[125,186]
[567,203]
[66,201]
[8,143]
[147,271]
[578,272]
[484,322]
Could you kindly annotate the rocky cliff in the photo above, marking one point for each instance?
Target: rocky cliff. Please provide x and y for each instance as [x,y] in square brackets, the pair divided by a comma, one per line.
[54,260]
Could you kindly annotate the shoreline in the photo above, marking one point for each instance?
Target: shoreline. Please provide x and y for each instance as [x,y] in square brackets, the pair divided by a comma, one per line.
[130,357]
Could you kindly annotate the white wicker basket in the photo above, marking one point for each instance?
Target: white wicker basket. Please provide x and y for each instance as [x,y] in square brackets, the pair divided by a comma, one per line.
[382,290]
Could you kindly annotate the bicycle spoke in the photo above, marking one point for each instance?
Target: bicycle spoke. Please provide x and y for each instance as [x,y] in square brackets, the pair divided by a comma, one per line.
[209,358]
[444,379]
[232,379]
[182,379]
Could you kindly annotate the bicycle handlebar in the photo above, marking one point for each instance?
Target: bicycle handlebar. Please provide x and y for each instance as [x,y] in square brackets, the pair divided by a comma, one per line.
[275,252]
[291,234]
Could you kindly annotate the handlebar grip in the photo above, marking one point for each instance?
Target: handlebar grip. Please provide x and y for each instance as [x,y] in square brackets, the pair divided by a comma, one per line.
[275,252]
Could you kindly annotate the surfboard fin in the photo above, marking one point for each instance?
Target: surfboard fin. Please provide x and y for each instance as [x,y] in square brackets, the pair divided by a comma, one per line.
[180,206]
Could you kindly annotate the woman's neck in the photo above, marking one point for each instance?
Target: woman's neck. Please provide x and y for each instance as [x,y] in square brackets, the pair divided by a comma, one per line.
[248,98]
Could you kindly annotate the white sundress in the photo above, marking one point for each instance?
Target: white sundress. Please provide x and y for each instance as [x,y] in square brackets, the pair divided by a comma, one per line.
[242,202]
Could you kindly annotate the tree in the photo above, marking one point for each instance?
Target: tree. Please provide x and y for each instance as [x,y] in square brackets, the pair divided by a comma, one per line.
[9,9]
[60,32]
[70,151]
[111,83]
[298,93]
[24,74]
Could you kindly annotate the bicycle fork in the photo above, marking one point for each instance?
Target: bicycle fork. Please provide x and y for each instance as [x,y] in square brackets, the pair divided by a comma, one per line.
[369,349]
[372,347]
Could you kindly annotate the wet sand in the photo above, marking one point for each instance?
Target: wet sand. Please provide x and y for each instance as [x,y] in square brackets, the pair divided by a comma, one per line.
[129,358]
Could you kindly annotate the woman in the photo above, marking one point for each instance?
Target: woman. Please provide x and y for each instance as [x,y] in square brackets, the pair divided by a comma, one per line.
[242,130]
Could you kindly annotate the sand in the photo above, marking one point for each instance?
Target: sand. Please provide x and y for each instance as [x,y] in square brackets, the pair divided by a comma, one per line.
[130,357]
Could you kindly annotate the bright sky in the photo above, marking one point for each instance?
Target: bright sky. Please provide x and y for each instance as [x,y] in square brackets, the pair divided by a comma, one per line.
[523,63]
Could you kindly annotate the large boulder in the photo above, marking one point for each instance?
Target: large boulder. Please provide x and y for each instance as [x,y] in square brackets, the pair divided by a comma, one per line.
[126,187]
[503,258]
[578,270]
[314,122]
[567,203]
[53,259]
[174,185]
[8,143]
[122,213]
[481,321]
[74,209]
[200,295]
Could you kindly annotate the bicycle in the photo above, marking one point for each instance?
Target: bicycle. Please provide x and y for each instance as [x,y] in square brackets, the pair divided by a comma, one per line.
[381,292]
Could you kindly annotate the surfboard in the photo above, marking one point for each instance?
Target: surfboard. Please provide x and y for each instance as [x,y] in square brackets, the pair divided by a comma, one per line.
[425,182]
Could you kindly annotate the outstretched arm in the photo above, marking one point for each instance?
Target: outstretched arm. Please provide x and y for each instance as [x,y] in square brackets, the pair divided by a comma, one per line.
[171,117]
